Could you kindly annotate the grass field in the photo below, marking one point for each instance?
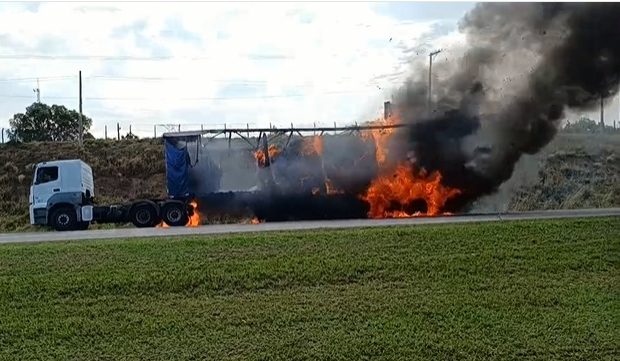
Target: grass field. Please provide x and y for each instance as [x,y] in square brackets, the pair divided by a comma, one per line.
[517,290]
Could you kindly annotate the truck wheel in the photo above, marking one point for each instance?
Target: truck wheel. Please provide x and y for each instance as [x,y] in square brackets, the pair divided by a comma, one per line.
[64,219]
[144,216]
[174,214]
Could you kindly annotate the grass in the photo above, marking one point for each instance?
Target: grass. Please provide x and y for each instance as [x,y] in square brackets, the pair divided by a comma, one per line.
[516,290]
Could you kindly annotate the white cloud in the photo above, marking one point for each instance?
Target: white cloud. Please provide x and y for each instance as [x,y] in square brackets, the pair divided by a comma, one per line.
[271,50]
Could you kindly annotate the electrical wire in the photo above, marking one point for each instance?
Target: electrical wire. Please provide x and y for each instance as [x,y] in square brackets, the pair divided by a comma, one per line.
[193,99]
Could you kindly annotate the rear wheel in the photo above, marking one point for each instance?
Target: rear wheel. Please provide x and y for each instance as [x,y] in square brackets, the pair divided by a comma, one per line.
[144,216]
[174,214]
[64,219]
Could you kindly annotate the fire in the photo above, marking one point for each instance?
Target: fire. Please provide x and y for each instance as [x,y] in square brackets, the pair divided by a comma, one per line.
[273,151]
[402,187]
[380,137]
[255,221]
[194,219]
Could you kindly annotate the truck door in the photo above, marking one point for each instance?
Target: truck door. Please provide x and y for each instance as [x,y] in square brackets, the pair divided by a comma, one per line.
[46,184]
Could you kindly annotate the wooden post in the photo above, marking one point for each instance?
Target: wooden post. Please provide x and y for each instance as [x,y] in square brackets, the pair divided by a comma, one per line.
[118,131]
[81,126]
[105,130]
[3,133]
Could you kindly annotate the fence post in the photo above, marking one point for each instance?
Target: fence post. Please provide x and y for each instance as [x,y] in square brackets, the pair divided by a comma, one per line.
[130,129]
[179,127]
[118,131]
[155,131]
[105,132]
[3,133]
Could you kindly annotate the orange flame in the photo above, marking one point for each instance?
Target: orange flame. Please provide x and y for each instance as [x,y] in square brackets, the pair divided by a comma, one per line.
[259,155]
[194,219]
[402,187]
[402,184]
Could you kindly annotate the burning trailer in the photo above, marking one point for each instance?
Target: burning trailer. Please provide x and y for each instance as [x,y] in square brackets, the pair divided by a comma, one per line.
[301,173]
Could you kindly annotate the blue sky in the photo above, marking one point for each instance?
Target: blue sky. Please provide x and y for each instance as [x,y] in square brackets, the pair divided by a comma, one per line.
[217,63]
[214,63]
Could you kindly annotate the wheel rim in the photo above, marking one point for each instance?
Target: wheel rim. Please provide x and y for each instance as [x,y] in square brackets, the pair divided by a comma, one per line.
[63,219]
[174,215]
[143,216]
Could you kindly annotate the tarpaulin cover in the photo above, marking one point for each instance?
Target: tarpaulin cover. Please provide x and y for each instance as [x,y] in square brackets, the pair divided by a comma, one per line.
[177,170]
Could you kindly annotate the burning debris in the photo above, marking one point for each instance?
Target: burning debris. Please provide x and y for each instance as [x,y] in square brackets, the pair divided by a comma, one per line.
[525,64]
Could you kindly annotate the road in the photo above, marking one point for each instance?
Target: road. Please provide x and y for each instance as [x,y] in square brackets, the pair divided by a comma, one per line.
[294,226]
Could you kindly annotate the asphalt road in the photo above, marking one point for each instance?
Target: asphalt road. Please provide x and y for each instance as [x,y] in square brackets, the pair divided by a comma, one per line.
[294,226]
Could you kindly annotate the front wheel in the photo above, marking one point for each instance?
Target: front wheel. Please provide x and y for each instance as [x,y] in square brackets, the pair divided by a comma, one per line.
[64,219]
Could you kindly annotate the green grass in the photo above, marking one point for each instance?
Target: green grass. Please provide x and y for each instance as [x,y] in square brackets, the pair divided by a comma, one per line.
[516,290]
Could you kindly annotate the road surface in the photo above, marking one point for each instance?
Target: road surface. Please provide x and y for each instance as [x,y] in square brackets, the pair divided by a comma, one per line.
[294,226]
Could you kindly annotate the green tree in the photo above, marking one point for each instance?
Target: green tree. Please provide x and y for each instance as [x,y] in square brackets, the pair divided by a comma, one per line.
[583,125]
[45,123]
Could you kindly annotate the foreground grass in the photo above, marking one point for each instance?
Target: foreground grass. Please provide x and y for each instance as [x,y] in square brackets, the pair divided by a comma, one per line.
[527,290]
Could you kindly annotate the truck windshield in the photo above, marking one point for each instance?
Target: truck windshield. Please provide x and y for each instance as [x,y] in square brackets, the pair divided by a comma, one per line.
[46,174]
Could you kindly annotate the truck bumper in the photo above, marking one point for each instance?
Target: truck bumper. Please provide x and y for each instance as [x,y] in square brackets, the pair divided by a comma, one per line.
[38,216]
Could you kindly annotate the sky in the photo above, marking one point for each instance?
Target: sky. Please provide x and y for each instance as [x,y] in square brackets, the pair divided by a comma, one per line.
[213,64]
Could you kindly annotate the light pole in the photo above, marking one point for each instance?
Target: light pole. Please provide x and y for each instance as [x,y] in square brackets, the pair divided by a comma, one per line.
[430,79]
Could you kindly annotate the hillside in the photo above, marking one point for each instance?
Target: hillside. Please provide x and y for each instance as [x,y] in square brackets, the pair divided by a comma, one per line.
[575,170]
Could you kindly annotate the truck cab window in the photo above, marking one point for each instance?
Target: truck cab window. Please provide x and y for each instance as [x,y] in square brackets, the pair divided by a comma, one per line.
[47,174]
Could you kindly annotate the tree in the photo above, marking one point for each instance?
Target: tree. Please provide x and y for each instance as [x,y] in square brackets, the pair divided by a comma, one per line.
[583,125]
[45,123]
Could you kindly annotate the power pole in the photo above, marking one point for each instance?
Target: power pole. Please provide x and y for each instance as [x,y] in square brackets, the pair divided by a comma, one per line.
[38,91]
[430,79]
[81,127]
[602,116]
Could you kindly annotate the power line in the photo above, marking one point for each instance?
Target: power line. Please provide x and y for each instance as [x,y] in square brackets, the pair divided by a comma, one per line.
[48,78]
[197,98]
[144,58]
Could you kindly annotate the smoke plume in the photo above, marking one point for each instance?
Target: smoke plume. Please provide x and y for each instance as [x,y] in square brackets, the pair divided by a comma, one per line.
[524,65]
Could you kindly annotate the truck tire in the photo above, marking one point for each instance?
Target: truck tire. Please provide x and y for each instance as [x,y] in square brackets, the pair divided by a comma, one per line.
[174,214]
[144,216]
[64,219]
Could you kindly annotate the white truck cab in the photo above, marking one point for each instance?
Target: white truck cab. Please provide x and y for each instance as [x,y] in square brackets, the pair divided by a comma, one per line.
[61,194]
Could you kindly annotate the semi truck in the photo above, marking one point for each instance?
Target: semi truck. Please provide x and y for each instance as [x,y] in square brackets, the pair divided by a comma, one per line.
[62,194]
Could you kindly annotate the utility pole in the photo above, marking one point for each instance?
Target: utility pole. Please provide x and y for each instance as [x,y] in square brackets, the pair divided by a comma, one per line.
[81,128]
[38,91]
[602,116]
[430,79]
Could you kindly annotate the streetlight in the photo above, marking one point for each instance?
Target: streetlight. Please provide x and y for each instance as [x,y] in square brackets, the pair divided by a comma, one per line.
[430,69]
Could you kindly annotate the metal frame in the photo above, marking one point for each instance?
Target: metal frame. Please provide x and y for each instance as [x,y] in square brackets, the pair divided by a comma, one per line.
[270,134]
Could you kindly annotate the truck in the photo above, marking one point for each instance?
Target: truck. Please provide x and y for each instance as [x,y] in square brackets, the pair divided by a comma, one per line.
[62,194]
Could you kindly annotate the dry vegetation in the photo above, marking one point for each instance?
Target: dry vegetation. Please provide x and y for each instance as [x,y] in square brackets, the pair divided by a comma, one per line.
[575,171]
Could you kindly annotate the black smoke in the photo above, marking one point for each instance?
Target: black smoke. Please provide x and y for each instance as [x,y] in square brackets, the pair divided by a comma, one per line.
[524,65]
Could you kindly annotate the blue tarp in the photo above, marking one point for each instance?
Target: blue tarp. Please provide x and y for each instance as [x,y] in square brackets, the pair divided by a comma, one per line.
[177,170]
